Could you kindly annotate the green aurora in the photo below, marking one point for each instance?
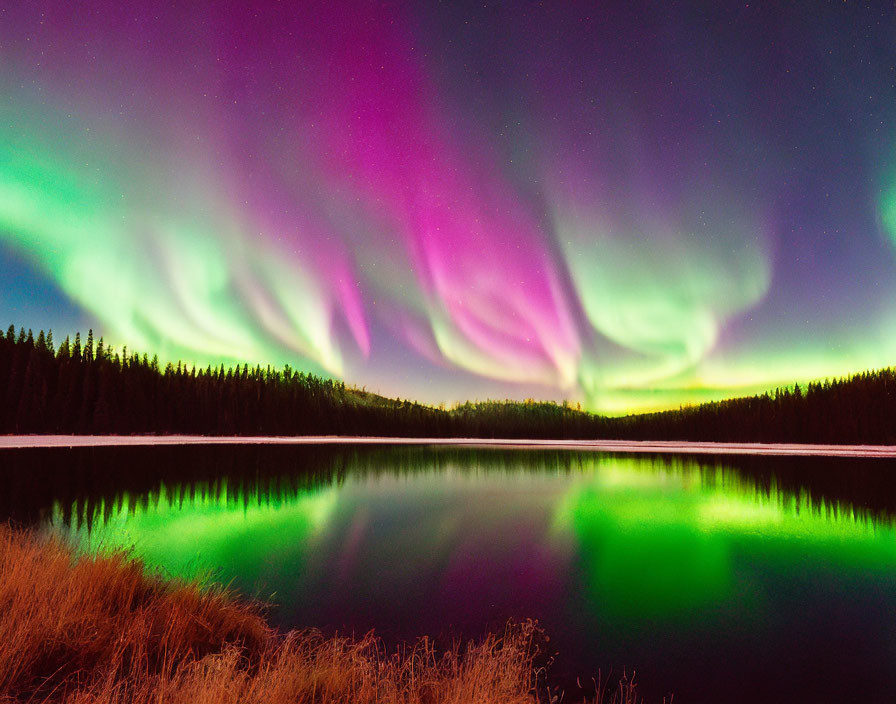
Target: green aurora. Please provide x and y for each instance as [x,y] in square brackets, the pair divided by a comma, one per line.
[477,220]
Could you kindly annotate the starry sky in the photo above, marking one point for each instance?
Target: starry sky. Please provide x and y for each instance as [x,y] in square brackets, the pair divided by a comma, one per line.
[632,205]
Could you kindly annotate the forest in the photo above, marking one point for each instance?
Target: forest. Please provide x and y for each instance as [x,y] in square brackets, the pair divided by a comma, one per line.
[86,387]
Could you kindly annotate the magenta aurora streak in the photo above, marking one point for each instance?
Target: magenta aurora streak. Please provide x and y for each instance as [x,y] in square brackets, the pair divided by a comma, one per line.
[454,202]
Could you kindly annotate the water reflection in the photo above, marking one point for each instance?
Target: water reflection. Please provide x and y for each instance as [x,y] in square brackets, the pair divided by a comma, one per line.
[672,543]
[701,573]
[653,539]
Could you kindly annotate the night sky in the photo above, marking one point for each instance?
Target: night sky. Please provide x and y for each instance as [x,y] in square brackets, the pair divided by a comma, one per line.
[632,205]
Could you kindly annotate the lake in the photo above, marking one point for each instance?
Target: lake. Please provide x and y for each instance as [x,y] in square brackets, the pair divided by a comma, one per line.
[714,578]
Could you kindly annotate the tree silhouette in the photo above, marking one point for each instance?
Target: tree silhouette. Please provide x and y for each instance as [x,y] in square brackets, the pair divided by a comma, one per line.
[97,390]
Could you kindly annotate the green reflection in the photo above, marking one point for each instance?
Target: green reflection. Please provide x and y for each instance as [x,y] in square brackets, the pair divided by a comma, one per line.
[626,542]
[668,544]
[212,533]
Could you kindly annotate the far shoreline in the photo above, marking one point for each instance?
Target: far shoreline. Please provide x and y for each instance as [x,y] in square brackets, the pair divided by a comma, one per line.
[14,442]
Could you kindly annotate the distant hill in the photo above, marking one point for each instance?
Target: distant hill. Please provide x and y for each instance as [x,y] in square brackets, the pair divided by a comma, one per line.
[83,387]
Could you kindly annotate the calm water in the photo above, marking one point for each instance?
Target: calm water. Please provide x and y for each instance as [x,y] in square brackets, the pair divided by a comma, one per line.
[730,580]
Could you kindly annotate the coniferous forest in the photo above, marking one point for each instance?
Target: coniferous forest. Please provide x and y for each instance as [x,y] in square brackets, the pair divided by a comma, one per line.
[81,386]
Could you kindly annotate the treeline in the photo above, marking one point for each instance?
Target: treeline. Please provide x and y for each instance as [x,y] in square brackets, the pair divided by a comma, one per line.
[85,387]
[859,410]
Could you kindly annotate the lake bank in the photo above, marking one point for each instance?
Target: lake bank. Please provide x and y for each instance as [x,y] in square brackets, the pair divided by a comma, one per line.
[622,446]
[101,628]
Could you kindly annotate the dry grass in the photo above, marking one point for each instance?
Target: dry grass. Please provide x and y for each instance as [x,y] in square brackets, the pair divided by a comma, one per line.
[102,630]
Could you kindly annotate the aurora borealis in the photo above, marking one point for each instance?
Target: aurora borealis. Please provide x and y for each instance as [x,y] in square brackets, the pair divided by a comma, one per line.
[632,205]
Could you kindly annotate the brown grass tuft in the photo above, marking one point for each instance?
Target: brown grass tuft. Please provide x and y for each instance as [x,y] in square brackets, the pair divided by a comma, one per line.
[101,629]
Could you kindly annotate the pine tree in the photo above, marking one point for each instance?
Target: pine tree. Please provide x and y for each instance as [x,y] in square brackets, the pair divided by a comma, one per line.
[64,352]
[88,348]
